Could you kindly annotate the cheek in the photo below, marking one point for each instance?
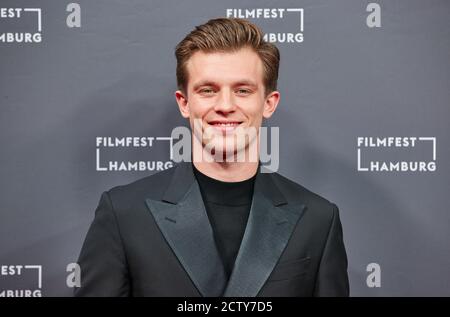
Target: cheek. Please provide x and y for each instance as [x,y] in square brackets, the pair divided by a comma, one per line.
[200,107]
[254,111]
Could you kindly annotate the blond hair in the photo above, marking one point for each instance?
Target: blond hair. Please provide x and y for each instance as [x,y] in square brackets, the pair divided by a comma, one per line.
[228,35]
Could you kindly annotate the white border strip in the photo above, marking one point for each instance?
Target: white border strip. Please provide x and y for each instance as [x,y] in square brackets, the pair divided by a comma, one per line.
[39,16]
[301,15]
[39,268]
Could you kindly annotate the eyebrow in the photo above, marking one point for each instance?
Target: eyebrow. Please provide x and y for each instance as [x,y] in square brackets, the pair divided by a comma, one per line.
[243,82]
[246,83]
[204,83]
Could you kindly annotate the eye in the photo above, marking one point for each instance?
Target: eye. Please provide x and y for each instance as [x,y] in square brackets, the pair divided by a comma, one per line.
[207,91]
[243,91]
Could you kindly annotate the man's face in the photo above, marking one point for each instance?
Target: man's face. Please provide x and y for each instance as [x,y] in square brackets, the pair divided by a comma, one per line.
[226,94]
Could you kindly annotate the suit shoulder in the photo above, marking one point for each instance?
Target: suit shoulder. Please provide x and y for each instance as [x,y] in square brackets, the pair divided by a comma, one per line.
[152,186]
[295,192]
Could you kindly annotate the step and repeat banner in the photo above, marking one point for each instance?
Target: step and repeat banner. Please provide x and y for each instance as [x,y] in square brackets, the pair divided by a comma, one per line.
[87,103]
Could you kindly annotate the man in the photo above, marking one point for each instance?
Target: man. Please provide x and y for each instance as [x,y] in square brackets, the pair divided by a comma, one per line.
[217,227]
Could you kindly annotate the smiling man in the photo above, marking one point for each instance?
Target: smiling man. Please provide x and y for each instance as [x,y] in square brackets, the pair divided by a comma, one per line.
[226,97]
[219,225]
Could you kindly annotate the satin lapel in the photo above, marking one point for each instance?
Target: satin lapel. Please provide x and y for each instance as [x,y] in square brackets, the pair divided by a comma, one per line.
[187,230]
[269,227]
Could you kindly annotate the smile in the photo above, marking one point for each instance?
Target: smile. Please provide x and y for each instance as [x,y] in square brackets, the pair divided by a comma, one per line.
[225,126]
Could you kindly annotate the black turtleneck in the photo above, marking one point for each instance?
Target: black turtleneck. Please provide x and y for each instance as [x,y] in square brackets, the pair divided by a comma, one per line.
[228,206]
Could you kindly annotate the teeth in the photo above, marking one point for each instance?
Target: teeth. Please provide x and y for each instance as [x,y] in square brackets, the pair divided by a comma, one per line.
[225,124]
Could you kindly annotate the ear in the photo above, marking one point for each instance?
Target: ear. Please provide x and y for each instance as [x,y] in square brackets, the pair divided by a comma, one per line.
[271,103]
[182,102]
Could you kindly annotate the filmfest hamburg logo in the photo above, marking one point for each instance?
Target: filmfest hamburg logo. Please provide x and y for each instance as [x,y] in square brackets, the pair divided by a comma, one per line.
[33,33]
[373,154]
[104,162]
[295,15]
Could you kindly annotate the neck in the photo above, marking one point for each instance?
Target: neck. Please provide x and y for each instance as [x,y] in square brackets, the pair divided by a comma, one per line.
[228,171]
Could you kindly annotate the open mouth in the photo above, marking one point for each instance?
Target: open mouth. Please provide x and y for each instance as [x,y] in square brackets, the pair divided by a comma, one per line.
[225,126]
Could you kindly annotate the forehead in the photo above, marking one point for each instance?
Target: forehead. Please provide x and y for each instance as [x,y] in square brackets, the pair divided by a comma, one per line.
[225,67]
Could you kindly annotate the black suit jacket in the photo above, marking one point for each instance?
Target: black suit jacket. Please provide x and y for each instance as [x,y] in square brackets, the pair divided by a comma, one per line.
[153,238]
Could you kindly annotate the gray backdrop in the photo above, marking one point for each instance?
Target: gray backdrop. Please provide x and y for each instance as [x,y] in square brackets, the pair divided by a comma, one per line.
[115,76]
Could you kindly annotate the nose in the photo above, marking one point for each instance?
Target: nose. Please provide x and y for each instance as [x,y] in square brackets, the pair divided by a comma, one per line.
[225,102]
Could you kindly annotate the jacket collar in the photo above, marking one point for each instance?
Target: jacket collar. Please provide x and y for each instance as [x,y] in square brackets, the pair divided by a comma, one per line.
[182,219]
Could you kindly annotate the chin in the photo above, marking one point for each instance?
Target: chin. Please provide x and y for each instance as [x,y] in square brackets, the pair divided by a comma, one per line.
[230,154]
